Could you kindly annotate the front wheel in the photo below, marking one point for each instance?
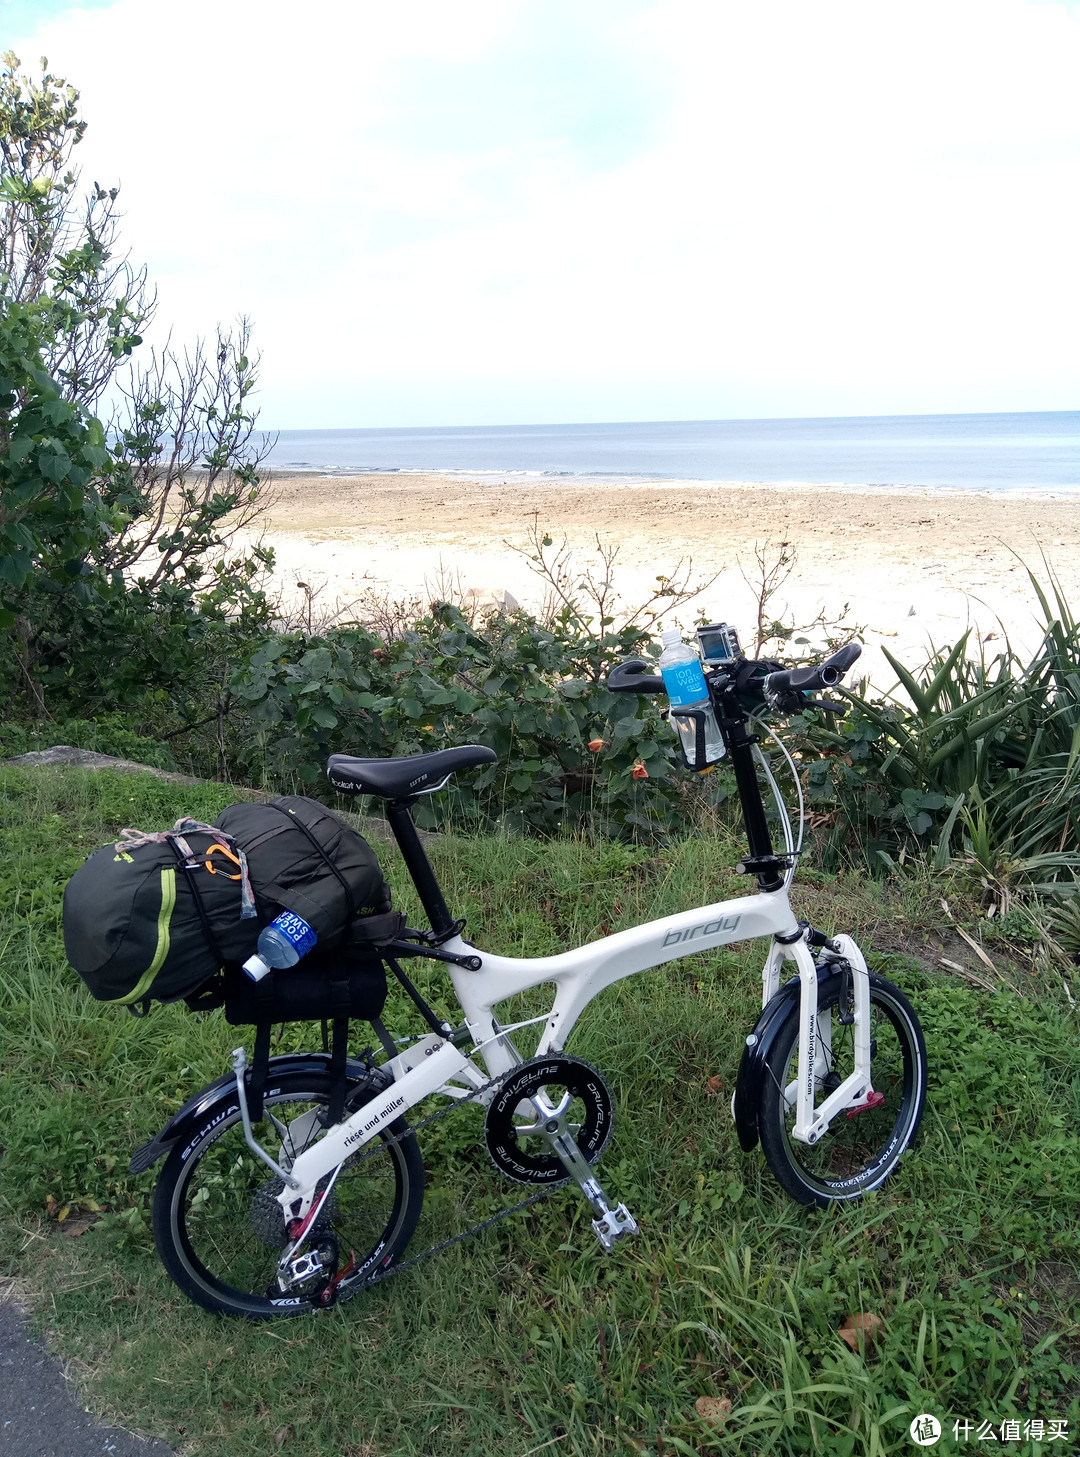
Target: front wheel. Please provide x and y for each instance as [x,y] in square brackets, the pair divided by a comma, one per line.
[857,1153]
[219,1228]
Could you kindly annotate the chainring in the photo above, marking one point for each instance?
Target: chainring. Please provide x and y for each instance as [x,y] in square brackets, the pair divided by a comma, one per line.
[593,1119]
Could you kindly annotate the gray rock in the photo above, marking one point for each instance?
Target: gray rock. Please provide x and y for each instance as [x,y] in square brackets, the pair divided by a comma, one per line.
[62,755]
[87,759]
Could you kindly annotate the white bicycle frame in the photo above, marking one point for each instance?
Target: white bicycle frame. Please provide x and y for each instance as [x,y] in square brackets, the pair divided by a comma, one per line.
[434,1065]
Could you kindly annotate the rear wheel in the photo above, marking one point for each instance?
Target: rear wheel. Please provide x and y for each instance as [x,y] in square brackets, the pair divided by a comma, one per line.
[219,1228]
[857,1153]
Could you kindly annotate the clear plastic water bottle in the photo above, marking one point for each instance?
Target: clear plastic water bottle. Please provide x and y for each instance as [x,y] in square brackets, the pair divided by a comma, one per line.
[281,944]
[684,680]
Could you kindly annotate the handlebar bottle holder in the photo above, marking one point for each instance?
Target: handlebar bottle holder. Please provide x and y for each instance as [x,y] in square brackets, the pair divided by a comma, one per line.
[698,716]
[632,677]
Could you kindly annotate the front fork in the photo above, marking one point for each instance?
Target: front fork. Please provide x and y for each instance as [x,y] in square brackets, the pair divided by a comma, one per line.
[815,1037]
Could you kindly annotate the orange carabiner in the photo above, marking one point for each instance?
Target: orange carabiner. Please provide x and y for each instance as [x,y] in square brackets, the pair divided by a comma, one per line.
[228,855]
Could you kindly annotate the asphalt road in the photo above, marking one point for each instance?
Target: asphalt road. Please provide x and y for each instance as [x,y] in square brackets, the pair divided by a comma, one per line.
[40,1415]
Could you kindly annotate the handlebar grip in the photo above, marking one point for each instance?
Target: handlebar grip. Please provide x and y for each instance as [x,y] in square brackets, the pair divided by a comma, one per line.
[843,658]
[820,675]
[631,677]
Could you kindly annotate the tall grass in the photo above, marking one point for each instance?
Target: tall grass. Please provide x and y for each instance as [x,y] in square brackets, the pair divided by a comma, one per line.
[528,1337]
[975,754]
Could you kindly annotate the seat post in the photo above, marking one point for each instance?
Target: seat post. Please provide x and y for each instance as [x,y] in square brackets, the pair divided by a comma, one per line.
[419,866]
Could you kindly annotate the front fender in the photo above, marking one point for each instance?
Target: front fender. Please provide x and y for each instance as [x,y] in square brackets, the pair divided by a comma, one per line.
[189,1116]
[759,1044]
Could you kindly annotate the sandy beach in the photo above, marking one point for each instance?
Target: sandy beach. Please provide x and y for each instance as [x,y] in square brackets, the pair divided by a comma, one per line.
[912,566]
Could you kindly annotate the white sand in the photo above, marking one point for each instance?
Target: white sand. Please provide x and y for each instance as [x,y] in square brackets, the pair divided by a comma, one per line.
[913,566]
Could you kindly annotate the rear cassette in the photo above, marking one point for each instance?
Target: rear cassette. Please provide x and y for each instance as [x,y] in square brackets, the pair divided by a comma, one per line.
[513,1133]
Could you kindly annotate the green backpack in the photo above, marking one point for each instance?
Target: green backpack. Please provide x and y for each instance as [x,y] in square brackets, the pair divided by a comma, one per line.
[155,916]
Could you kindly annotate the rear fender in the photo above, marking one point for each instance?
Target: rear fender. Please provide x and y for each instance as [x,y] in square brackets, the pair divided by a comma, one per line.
[217,1094]
[759,1044]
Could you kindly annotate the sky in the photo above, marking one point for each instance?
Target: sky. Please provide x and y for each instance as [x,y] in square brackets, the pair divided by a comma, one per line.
[514,211]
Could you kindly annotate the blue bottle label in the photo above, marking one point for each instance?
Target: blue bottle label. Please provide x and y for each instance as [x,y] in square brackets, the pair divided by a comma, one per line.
[685,683]
[295,929]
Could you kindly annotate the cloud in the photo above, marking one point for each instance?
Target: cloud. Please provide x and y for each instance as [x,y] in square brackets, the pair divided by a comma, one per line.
[513,210]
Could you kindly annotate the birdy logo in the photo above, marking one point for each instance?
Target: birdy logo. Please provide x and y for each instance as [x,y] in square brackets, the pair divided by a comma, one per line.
[707,928]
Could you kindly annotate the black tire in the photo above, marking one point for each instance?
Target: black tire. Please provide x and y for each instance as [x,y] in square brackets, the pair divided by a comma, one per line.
[216,1223]
[856,1154]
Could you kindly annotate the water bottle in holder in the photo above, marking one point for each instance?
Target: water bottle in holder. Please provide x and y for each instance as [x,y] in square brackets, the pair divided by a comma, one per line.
[281,944]
[692,714]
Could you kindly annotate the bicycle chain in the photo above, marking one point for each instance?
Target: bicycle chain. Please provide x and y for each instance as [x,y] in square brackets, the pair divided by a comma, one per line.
[384,1144]
[381,1275]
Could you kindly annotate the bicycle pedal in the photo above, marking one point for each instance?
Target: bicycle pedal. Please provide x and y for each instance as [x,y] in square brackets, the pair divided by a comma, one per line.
[615,1224]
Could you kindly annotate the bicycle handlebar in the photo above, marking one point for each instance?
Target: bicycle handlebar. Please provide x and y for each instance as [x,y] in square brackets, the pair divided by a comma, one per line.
[820,675]
[631,677]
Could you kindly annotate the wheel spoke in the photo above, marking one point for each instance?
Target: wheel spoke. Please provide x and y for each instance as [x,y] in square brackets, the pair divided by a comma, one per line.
[856,1152]
[221,1231]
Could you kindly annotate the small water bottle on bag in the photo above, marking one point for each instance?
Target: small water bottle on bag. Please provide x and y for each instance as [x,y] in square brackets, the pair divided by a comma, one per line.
[684,682]
[281,944]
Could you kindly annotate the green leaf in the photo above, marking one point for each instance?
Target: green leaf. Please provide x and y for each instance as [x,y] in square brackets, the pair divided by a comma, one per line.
[941,853]
[15,568]
[969,736]
[914,692]
[325,717]
[933,693]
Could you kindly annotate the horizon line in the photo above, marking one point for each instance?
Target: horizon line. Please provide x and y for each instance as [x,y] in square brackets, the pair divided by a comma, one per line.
[701,420]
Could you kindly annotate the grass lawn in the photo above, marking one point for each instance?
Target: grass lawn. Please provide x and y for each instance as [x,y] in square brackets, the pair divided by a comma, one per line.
[528,1338]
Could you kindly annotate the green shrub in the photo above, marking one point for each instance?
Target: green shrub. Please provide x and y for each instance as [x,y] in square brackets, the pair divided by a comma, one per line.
[515,684]
[980,763]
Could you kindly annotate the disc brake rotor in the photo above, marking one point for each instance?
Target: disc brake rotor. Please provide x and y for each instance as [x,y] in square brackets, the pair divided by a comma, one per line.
[513,1126]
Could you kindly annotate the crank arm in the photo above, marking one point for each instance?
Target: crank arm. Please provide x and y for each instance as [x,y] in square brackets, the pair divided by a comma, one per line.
[611,1224]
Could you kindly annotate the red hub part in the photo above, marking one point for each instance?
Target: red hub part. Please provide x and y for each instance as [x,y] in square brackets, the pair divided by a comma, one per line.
[873,1100]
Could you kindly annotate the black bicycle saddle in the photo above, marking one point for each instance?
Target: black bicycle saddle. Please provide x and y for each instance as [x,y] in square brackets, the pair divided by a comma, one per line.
[404,777]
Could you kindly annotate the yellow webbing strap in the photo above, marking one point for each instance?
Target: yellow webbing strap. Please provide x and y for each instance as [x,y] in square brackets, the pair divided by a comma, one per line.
[168,901]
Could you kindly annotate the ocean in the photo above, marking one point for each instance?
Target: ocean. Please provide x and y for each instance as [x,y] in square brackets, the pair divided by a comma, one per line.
[1030,452]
